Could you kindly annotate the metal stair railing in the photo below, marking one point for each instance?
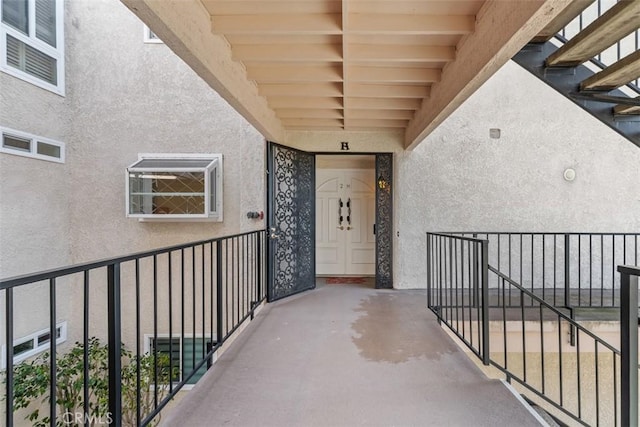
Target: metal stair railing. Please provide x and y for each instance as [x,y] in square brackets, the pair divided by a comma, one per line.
[554,359]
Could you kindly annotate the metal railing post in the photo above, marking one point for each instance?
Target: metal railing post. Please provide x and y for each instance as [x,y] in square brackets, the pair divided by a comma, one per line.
[428,270]
[484,264]
[219,336]
[629,345]
[567,270]
[259,266]
[567,284]
[9,354]
[115,343]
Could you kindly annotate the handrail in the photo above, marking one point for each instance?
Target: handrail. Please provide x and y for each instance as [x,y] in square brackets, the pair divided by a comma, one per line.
[23,279]
[185,299]
[544,359]
[553,309]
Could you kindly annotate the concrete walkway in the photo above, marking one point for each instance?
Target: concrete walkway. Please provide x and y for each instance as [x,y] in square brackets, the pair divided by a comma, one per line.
[347,355]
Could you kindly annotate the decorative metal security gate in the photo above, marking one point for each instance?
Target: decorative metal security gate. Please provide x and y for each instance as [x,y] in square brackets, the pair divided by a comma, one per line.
[384,221]
[291,221]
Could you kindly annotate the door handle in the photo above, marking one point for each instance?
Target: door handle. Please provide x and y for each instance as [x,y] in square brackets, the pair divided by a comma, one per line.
[274,236]
[349,211]
[340,211]
[340,227]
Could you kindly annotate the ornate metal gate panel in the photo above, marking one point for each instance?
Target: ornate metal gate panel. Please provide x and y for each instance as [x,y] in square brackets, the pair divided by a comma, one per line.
[291,221]
[384,221]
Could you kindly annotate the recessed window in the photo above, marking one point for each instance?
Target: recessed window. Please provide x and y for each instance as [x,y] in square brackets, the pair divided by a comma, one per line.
[182,353]
[150,36]
[31,35]
[28,145]
[176,187]
[35,343]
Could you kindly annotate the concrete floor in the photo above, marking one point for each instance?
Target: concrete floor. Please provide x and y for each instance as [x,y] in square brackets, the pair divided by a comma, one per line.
[346,355]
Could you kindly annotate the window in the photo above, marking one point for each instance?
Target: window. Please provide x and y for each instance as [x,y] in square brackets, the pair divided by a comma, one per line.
[175,187]
[32,39]
[150,36]
[35,343]
[28,145]
[182,355]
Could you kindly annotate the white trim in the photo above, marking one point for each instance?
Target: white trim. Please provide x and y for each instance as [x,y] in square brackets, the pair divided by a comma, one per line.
[33,152]
[147,348]
[55,52]
[36,348]
[147,38]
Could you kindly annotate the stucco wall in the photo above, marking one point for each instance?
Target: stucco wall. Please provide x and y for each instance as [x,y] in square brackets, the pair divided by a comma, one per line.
[34,214]
[128,97]
[460,179]
[123,97]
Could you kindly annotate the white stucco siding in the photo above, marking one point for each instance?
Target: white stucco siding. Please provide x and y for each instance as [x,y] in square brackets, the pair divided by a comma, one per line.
[130,97]
[460,179]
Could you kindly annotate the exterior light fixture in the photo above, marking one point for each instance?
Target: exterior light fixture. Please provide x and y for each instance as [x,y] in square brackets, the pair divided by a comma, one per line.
[569,175]
[382,183]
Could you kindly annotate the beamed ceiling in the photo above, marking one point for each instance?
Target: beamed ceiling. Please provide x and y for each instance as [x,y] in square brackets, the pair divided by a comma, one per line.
[346,66]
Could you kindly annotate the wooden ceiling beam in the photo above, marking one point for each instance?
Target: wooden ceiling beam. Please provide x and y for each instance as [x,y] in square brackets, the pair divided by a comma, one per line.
[301,53]
[313,123]
[361,74]
[431,7]
[613,25]
[501,31]
[288,102]
[234,7]
[292,24]
[309,113]
[322,89]
[379,114]
[404,53]
[386,91]
[185,27]
[377,123]
[294,74]
[412,24]
[262,39]
[385,103]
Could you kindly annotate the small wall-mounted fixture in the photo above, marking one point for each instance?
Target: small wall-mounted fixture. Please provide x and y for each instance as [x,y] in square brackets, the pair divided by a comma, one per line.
[382,183]
[255,215]
[569,174]
[494,133]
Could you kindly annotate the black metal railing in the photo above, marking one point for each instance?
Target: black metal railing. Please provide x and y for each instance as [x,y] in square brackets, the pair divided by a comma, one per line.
[545,263]
[614,53]
[534,344]
[457,288]
[533,347]
[145,326]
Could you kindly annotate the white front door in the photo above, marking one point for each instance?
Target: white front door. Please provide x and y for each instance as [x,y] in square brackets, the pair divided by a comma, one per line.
[345,214]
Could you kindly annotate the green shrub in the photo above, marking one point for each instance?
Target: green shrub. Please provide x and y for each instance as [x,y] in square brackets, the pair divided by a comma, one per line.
[31,385]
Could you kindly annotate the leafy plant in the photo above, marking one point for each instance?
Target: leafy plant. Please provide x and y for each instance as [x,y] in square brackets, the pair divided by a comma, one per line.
[32,378]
